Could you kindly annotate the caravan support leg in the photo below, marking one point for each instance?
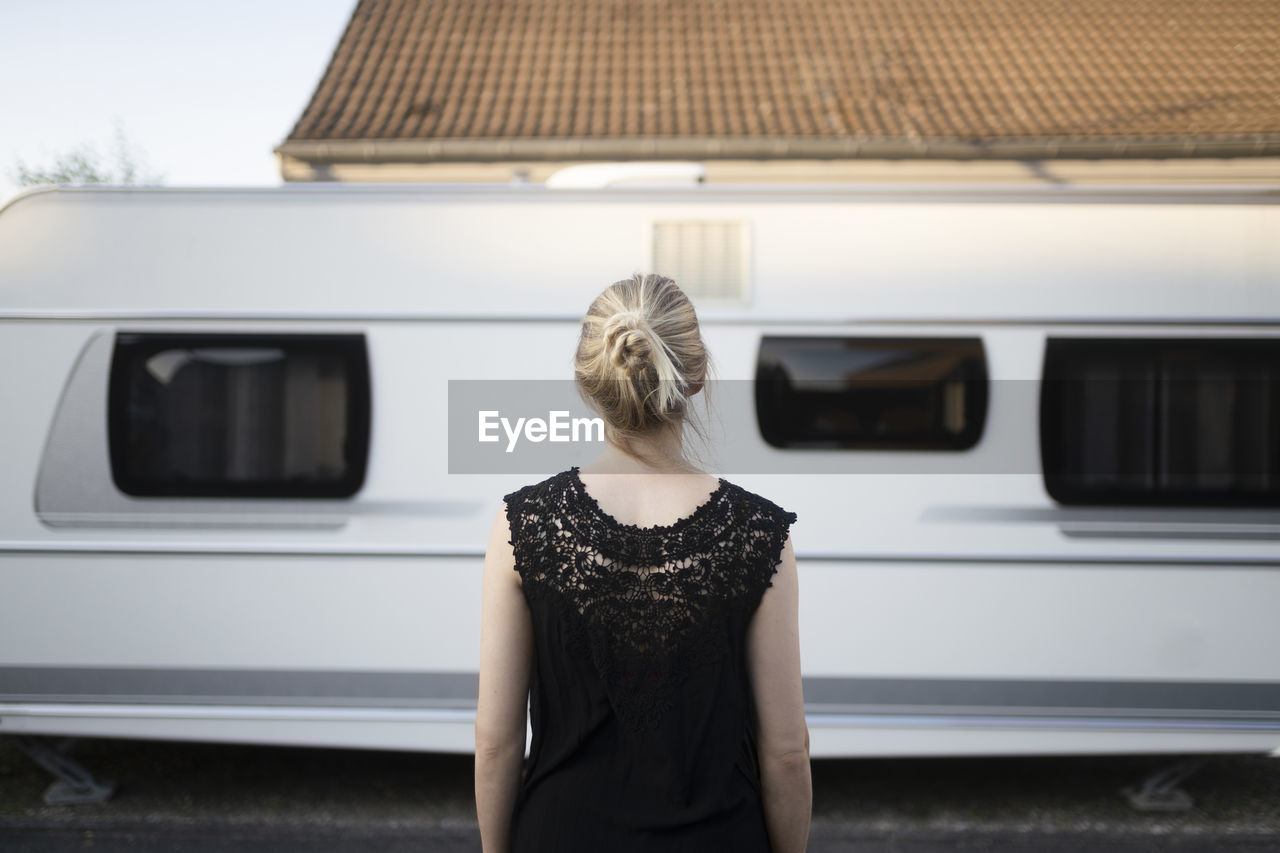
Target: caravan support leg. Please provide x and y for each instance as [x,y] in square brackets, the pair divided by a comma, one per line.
[1158,792]
[75,783]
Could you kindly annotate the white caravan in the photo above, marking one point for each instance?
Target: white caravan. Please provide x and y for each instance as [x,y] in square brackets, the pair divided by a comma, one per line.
[1032,437]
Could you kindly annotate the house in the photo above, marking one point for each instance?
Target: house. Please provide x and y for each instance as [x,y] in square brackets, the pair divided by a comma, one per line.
[800,90]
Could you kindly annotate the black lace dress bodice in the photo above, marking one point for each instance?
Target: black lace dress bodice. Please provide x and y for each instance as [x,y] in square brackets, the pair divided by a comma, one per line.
[640,702]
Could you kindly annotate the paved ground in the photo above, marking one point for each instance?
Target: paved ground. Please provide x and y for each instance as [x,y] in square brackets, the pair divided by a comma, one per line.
[215,797]
[160,842]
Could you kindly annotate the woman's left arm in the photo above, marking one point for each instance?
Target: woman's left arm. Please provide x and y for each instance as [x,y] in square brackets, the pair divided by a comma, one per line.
[506,658]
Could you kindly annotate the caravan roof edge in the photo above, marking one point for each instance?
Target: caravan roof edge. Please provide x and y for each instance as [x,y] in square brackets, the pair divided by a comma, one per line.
[864,192]
[788,255]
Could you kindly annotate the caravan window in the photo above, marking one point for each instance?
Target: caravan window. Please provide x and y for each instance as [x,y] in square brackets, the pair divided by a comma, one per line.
[1163,421]
[239,415]
[871,393]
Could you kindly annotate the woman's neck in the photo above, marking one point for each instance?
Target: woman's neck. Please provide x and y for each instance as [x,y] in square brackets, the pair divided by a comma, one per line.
[664,450]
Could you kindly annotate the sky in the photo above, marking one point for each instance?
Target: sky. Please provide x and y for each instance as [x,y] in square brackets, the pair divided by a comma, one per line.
[202,91]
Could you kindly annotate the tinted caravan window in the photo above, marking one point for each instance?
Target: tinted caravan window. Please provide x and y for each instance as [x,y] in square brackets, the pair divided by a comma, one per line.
[872,393]
[1161,421]
[239,415]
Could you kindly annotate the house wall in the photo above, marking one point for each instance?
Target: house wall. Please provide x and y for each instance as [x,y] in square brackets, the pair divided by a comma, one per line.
[1189,170]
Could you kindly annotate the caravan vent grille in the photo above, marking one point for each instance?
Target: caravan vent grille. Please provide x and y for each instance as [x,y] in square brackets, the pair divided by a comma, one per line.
[708,259]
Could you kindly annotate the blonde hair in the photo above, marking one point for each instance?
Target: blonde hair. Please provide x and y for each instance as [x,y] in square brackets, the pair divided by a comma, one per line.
[640,357]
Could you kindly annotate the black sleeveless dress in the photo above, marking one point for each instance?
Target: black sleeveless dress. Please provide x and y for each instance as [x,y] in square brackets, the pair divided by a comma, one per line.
[643,722]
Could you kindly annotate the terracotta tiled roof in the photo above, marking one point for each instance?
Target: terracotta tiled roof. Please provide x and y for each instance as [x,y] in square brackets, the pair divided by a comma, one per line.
[913,70]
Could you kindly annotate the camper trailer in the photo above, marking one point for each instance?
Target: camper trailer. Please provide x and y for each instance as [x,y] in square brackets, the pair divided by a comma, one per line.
[1032,436]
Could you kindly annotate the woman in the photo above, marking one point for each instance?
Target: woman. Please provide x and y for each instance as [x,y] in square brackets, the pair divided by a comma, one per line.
[625,604]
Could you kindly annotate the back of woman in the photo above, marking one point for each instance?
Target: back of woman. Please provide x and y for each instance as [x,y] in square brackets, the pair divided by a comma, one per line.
[625,603]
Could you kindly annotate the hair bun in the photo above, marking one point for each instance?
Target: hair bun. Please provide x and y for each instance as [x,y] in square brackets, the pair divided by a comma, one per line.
[626,340]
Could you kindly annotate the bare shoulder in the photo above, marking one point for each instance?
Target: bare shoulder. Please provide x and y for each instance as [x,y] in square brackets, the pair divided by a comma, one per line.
[500,553]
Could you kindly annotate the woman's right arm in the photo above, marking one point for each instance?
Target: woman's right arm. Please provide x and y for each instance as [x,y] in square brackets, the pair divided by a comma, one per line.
[506,655]
[773,658]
